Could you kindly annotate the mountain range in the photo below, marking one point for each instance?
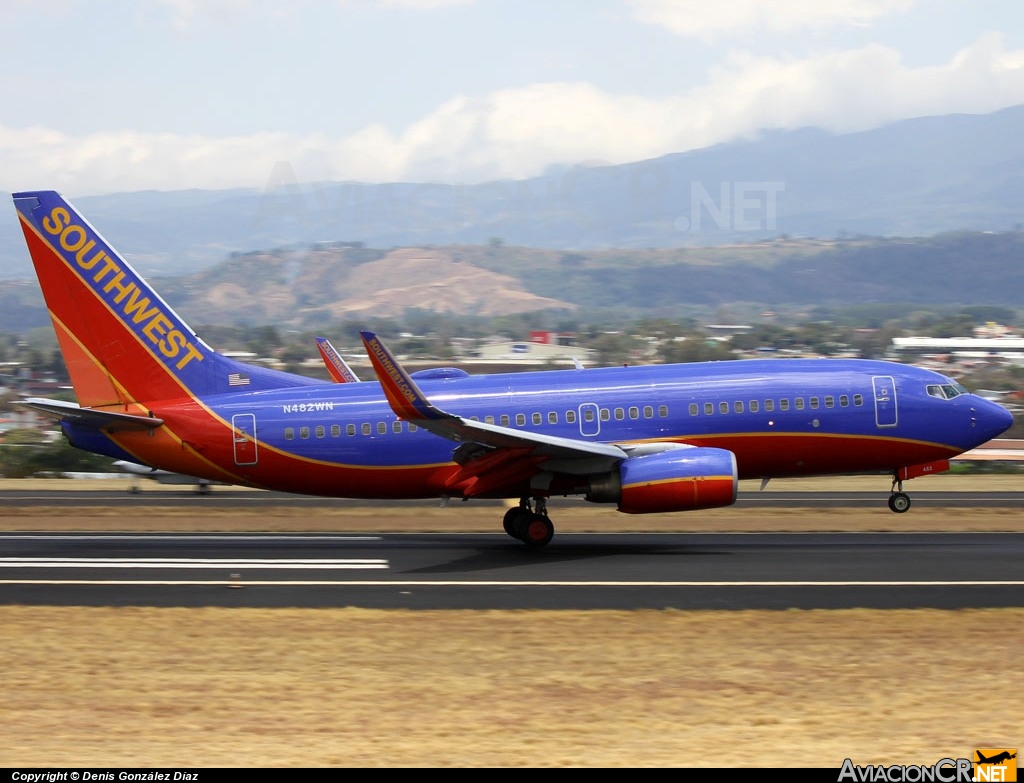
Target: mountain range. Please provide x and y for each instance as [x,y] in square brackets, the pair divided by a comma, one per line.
[914,178]
[925,211]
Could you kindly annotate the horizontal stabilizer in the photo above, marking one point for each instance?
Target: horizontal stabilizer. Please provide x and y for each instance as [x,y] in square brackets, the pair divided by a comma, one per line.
[90,417]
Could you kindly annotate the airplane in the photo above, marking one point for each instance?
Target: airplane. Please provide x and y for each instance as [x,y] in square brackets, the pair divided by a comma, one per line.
[999,758]
[648,439]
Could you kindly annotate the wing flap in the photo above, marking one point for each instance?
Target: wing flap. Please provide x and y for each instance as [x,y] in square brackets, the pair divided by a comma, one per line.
[493,470]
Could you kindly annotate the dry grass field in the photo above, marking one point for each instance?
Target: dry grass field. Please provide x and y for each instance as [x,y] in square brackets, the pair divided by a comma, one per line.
[146,687]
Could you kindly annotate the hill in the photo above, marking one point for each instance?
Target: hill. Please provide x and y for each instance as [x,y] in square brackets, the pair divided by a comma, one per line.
[325,284]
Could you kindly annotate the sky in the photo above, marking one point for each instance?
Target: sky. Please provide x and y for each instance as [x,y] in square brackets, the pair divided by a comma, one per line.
[111,96]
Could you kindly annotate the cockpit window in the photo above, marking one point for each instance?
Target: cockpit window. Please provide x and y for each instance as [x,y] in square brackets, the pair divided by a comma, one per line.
[946,391]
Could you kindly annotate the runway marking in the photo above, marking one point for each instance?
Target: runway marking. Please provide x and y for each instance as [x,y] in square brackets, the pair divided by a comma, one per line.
[497,583]
[180,536]
[188,563]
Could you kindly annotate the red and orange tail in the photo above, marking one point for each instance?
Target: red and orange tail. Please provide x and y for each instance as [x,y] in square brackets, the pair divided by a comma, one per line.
[121,342]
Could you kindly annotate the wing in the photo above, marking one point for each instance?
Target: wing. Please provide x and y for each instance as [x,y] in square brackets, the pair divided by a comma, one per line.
[490,456]
[90,417]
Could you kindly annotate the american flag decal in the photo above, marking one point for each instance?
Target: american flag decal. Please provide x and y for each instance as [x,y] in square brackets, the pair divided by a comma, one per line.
[238,379]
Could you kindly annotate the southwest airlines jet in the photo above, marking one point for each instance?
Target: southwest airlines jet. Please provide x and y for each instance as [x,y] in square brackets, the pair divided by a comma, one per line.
[649,439]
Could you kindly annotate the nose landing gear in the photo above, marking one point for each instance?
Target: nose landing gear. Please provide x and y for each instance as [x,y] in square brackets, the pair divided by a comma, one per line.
[899,501]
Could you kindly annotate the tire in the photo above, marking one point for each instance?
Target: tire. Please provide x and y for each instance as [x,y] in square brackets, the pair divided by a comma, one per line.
[899,502]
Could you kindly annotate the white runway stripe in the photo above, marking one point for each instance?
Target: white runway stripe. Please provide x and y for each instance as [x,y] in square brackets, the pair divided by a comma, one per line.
[187,563]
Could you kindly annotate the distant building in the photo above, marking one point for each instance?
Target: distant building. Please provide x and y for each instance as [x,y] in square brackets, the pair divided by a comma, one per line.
[1006,350]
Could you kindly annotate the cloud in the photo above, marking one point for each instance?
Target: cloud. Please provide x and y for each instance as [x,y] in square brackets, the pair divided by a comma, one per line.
[516,133]
[186,13]
[710,20]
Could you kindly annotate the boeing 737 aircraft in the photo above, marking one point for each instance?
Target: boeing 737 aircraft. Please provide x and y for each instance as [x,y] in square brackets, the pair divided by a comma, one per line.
[648,439]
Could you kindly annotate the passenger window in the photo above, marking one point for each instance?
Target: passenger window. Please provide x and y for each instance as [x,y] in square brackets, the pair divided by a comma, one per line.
[830,402]
[412,427]
[784,404]
[723,407]
[367,429]
[738,406]
[350,429]
[814,403]
[620,414]
[382,428]
[520,419]
[858,399]
[536,418]
[798,403]
[320,431]
[396,426]
[303,432]
[504,420]
[488,420]
[552,417]
[605,414]
[588,415]
[663,411]
[769,405]
[634,412]
[694,409]
[709,409]
[570,416]
[648,412]
[289,433]
[844,401]
[754,406]
[335,430]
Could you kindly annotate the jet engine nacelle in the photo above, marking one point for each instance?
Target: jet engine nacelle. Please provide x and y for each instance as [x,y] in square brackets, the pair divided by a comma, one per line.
[674,480]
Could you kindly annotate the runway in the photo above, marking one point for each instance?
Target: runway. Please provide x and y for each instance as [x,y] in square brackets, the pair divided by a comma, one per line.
[491,571]
[184,497]
[463,568]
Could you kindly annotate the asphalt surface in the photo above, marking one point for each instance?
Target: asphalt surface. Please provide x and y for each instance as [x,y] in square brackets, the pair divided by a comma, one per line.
[492,571]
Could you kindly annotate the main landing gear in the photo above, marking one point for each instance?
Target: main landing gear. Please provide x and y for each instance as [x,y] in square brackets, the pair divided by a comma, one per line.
[530,525]
[899,501]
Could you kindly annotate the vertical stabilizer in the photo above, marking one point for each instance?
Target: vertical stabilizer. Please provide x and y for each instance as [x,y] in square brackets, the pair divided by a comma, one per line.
[122,343]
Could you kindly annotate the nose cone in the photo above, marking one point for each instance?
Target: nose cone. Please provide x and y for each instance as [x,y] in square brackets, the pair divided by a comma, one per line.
[990,419]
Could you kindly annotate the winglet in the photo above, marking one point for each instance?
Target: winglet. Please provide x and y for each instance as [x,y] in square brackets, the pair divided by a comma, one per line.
[337,367]
[404,396]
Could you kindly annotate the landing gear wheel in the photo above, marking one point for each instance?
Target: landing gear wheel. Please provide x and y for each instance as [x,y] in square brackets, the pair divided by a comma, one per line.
[514,521]
[529,522]
[899,502]
[537,531]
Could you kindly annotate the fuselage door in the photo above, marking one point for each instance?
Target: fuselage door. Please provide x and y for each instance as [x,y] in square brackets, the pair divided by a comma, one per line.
[590,419]
[243,435]
[885,400]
